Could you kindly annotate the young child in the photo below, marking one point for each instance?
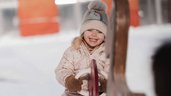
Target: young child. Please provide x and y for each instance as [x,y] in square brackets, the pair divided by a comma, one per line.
[89,45]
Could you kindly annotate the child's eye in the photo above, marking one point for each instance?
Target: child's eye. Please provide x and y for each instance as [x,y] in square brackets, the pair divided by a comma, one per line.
[99,31]
[95,30]
[90,29]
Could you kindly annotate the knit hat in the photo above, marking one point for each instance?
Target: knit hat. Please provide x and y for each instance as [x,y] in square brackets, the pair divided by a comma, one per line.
[95,18]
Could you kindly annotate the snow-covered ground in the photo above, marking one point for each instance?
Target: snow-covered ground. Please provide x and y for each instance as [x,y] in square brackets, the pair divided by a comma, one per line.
[27,64]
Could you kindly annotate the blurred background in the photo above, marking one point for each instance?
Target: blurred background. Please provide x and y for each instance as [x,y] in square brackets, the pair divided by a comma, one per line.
[35,33]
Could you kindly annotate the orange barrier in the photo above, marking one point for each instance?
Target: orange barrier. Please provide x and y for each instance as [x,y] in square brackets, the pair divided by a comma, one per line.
[38,17]
[134,16]
[134,8]
[109,6]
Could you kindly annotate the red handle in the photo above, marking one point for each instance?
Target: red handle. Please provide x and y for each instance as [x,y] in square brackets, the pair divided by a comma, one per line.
[93,82]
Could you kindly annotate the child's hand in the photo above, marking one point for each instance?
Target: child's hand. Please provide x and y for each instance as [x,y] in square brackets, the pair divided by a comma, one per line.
[73,84]
[85,80]
[85,77]
[103,84]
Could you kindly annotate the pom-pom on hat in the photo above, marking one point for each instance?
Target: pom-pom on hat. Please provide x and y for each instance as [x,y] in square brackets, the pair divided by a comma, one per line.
[95,18]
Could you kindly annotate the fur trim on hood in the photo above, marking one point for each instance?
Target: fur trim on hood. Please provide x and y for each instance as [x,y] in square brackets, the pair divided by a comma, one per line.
[77,42]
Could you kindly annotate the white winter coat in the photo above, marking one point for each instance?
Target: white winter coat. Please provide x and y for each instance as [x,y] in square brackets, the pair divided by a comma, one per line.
[77,59]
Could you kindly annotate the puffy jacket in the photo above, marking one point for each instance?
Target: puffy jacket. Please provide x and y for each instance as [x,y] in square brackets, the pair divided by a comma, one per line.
[74,60]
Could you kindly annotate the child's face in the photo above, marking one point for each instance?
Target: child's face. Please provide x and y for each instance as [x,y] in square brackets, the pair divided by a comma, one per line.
[93,37]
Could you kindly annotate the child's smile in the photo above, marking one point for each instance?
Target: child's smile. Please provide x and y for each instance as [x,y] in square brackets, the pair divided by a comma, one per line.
[93,40]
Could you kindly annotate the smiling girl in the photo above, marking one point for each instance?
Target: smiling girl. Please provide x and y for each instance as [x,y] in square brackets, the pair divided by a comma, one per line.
[89,45]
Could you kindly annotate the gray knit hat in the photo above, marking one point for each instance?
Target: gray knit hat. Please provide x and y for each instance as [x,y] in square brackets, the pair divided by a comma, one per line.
[95,18]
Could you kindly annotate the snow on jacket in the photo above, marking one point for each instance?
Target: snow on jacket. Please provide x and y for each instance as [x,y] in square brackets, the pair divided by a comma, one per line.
[74,60]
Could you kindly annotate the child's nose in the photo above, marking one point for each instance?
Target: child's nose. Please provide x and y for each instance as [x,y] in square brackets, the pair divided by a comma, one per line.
[94,33]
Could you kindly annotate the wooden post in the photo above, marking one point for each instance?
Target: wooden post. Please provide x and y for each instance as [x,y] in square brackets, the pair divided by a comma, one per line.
[117,85]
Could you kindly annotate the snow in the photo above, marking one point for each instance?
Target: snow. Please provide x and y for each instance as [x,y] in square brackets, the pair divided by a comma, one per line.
[27,63]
